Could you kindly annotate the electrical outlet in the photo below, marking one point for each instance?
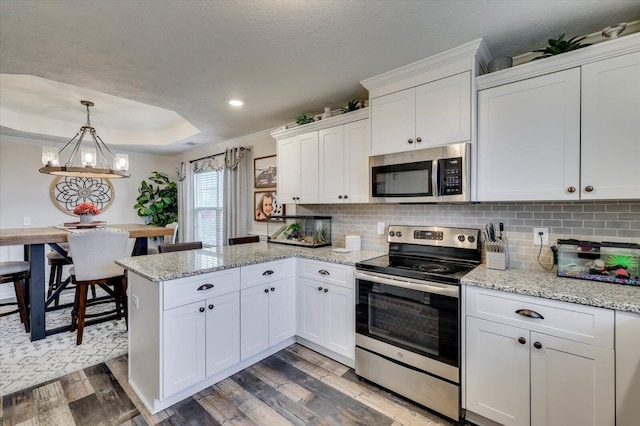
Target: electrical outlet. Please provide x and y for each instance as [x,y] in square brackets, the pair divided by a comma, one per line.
[545,236]
[380,228]
[26,221]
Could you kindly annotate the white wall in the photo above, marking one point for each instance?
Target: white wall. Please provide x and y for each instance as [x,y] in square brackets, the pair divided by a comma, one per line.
[261,144]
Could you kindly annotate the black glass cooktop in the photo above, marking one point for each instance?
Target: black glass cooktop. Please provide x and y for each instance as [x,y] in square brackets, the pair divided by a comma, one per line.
[421,268]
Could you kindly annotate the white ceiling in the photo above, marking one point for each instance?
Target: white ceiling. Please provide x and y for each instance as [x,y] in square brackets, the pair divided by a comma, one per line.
[282,57]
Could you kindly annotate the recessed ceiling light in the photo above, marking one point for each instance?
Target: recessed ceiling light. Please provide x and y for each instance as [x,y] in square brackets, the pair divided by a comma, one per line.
[236,102]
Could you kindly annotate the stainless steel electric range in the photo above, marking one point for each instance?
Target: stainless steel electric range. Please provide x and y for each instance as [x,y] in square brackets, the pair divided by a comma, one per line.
[408,314]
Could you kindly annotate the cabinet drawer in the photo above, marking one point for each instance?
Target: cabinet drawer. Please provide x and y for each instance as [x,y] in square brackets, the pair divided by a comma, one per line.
[571,321]
[332,273]
[261,273]
[192,289]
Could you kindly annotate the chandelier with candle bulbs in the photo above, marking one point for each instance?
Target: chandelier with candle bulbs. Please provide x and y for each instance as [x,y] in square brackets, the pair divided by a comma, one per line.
[96,159]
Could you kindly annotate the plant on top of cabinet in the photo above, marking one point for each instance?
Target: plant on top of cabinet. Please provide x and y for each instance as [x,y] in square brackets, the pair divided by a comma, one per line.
[560,45]
[303,118]
[352,105]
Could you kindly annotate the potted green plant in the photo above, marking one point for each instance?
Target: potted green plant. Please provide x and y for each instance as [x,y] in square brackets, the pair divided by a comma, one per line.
[352,105]
[304,118]
[160,201]
[560,45]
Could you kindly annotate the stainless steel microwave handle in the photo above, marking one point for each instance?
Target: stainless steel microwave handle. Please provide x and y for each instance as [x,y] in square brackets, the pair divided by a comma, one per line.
[434,177]
[441,289]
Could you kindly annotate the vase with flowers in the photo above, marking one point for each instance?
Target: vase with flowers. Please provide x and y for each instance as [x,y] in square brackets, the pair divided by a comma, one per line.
[86,210]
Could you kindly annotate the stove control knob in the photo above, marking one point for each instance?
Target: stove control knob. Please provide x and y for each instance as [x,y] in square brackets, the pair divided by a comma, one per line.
[398,234]
[461,238]
[471,238]
[391,233]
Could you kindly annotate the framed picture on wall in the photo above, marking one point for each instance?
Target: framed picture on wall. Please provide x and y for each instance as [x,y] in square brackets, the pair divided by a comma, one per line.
[265,172]
[265,205]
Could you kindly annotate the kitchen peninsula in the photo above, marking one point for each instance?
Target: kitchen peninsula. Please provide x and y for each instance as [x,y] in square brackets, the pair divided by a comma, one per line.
[188,329]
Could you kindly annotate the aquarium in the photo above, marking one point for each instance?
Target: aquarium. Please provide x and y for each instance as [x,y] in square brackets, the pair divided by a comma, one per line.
[306,231]
[611,262]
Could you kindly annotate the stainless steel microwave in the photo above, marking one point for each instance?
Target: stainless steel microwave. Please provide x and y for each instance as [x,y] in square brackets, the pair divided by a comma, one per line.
[429,175]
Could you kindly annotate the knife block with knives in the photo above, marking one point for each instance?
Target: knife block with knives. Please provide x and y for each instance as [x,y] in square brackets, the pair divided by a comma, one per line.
[497,247]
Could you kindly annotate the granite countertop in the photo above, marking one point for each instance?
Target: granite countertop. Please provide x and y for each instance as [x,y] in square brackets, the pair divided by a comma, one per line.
[169,266]
[549,286]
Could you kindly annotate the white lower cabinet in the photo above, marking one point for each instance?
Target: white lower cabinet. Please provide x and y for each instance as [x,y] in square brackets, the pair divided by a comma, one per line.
[327,307]
[517,375]
[268,306]
[200,339]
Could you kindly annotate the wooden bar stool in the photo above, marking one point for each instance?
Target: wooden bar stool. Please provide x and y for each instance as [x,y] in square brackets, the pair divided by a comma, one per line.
[17,272]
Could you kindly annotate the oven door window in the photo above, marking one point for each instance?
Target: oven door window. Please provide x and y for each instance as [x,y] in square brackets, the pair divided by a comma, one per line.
[402,180]
[419,322]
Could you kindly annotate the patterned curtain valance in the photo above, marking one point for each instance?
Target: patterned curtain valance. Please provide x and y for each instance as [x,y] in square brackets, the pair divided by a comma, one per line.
[210,164]
[229,159]
[232,156]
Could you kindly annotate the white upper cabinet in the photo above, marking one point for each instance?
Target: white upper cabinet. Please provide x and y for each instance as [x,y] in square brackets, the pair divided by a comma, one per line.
[610,150]
[426,103]
[562,128]
[393,122]
[344,163]
[428,115]
[298,169]
[325,161]
[529,139]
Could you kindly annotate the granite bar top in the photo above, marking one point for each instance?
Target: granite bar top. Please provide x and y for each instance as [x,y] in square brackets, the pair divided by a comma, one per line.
[549,286]
[169,266]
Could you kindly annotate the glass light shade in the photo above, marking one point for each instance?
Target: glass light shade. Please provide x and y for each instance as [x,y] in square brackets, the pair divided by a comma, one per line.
[49,156]
[88,157]
[121,162]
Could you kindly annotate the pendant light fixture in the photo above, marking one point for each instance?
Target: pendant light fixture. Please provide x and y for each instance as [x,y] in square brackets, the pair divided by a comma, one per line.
[96,160]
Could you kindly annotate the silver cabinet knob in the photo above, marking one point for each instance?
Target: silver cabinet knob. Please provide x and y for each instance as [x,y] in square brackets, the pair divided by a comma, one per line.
[410,141]
[418,139]
[571,189]
[588,188]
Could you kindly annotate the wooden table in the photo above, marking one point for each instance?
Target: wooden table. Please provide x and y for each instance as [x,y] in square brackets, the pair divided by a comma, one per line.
[34,240]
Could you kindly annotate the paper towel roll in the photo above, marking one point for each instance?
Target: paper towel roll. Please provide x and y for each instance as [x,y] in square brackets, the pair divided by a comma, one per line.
[353,242]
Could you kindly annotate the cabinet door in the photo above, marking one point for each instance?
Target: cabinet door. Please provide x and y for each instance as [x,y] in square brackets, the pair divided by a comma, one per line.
[310,298]
[282,311]
[443,111]
[223,332]
[357,144]
[571,383]
[497,372]
[183,347]
[332,164]
[339,320]
[308,190]
[393,122]
[254,320]
[288,169]
[529,139]
[611,128]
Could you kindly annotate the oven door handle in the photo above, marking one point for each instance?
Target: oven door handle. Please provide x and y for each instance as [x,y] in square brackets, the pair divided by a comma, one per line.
[441,289]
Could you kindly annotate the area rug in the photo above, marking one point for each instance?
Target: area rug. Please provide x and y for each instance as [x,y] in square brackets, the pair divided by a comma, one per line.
[24,363]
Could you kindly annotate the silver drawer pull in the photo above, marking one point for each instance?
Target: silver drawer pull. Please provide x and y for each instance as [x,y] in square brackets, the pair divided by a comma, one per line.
[268,272]
[323,272]
[529,313]
[205,287]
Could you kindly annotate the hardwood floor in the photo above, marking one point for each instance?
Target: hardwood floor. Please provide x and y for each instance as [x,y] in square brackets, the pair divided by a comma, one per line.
[296,386]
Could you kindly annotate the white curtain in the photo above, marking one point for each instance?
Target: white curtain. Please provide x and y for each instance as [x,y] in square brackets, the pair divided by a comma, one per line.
[236,193]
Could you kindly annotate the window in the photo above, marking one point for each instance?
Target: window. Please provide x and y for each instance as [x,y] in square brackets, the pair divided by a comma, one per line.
[208,214]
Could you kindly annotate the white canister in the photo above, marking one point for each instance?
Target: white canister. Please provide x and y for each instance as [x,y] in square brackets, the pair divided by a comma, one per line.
[327,113]
[353,242]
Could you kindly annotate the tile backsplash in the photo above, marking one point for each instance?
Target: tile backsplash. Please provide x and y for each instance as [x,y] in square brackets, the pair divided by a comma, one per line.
[593,221]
